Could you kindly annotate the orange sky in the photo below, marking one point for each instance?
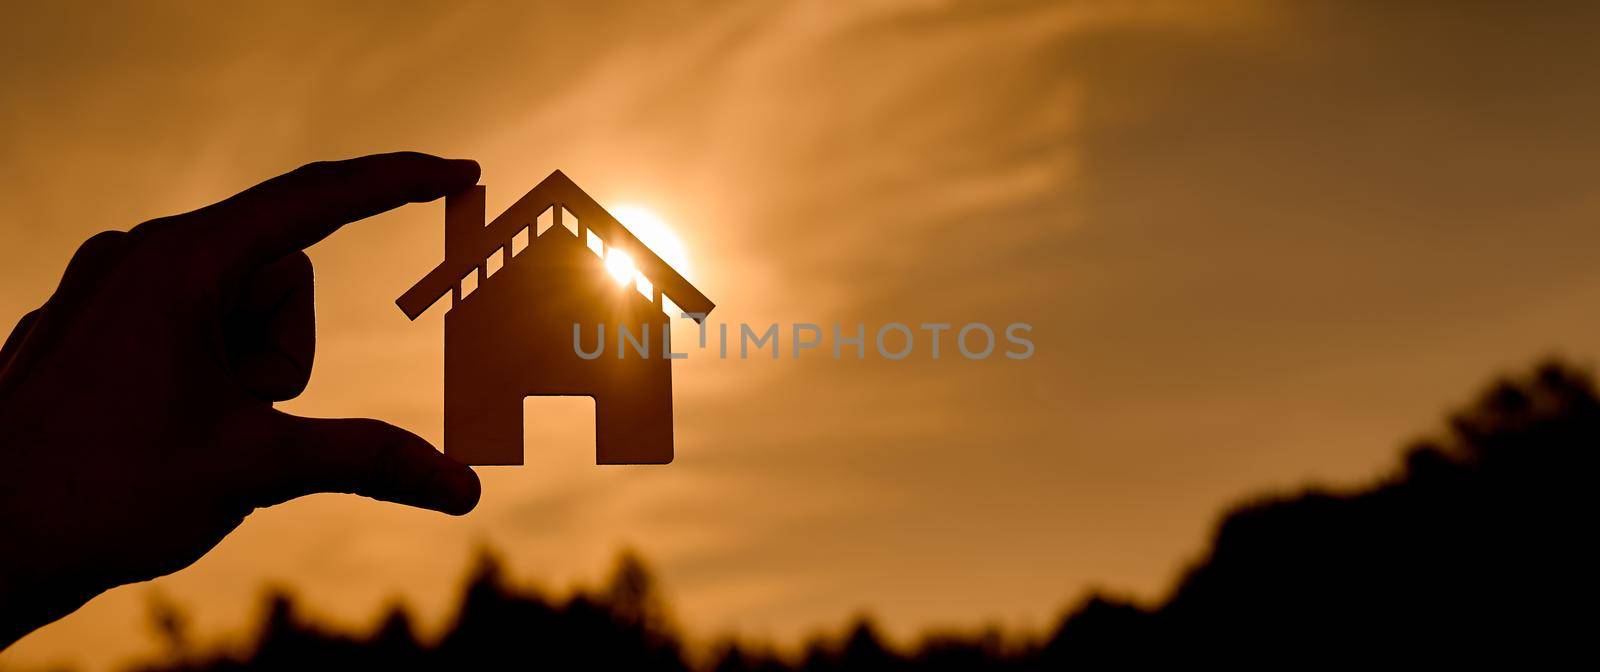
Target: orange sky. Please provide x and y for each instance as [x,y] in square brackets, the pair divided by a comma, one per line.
[1260,244]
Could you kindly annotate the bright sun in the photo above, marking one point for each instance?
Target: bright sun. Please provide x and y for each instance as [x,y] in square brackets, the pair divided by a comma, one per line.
[619,265]
[651,230]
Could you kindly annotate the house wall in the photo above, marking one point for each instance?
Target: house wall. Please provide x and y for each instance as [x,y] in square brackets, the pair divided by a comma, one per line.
[513,337]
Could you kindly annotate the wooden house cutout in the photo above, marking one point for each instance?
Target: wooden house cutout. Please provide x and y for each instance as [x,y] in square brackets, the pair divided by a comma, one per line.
[511,335]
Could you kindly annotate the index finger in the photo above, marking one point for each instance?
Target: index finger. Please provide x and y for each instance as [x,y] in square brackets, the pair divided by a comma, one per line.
[295,210]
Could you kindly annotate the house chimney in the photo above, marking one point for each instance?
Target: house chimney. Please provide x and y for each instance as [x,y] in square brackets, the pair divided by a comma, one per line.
[463,227]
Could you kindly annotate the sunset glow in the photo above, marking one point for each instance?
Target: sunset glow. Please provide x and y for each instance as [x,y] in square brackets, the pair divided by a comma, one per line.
[656,234]
[1254,244]
[619,265]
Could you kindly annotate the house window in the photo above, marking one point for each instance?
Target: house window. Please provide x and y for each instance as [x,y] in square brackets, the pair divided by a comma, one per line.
[642,284]
[519,242]
[569,220]
[544,221]
[495,261]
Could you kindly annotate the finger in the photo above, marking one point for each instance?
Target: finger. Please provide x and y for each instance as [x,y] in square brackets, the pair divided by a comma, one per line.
[8,353]
[18,333]
[293,211]
[270,329]
[364,457]
[88,269]
[86,272]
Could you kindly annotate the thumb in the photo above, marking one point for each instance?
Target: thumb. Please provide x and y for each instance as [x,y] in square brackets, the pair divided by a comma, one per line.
[365,457]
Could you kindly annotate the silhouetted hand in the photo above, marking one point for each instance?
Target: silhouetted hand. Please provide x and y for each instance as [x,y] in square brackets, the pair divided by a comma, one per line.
[136,418]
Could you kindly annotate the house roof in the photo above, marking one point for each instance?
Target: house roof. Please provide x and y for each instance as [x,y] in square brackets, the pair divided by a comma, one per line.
[559,191]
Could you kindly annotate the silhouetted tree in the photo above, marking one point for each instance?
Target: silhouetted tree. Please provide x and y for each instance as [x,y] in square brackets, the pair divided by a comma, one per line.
[1475,547]
[1478,548]
[734,656]
[986,651]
